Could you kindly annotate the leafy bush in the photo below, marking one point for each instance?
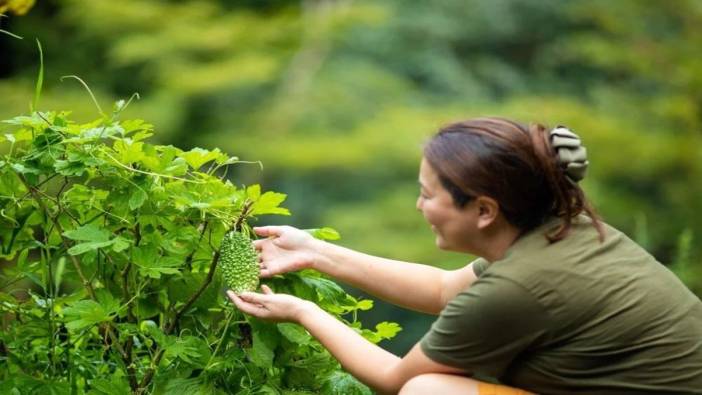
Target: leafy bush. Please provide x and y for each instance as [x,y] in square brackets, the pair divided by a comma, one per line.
[110,285]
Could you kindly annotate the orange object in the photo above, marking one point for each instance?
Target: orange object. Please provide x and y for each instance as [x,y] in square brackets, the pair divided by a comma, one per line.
[496,389]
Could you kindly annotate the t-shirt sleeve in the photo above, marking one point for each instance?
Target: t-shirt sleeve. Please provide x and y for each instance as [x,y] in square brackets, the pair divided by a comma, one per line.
[479,266]
[486,327]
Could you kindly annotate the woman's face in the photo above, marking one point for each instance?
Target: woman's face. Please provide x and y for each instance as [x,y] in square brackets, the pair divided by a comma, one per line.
[454,227]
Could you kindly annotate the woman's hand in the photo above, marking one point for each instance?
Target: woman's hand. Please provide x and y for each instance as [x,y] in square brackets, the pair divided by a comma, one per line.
[285,250]
[271,306]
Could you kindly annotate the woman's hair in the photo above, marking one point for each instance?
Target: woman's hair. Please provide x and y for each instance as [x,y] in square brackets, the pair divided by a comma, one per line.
[513,164]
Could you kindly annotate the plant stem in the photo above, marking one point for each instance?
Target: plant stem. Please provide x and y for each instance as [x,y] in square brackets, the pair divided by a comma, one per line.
[88,286]
[219,343]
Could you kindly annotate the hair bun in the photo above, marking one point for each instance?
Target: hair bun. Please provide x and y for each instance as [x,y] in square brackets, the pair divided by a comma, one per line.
[572,156]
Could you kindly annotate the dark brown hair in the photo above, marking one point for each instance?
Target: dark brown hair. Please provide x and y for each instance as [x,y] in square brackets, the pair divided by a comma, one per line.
[513,164]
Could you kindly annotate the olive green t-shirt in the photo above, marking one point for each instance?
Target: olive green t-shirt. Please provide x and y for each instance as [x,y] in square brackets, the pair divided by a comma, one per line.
[574,317]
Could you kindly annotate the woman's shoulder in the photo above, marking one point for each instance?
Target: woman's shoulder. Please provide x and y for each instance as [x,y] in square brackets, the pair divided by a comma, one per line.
[582,240]
[579,260]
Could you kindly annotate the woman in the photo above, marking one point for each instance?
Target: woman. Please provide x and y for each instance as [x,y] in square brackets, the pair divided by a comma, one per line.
[557,302]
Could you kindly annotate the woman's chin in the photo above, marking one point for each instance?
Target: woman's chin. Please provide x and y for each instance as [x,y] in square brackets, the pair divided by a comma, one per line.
[440,243]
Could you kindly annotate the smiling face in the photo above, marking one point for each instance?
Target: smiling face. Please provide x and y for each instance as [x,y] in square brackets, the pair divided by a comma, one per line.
[454,227]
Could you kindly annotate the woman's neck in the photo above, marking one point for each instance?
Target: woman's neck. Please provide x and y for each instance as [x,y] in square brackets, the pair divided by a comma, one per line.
[498,240]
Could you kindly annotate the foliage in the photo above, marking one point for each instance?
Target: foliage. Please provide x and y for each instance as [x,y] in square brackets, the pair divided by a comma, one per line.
[18,7]
[110,282]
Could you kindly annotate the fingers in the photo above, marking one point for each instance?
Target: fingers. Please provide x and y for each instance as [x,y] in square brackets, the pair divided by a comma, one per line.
[258,244]
[265,273]
[266,289]
[263,269]
[267,231]
[253,297]
[246,307]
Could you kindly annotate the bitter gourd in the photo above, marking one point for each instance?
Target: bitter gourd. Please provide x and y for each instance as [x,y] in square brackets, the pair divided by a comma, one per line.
[239,262]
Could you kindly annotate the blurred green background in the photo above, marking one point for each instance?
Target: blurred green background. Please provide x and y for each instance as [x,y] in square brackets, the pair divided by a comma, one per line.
[337,97]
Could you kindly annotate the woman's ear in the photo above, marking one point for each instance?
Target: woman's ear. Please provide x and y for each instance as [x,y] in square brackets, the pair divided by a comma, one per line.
[488,210]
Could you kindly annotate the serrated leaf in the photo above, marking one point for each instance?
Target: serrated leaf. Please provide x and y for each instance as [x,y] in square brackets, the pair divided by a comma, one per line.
[327,290]
[85,313]
[295,333]
[260,354]
[137,199]
[325,233]
[117,385]
[253,192]
[197,157]
[69,168]
[152,264]
[22,169]
[185,348]
[342,383]
[365,304]
[268,203]
[82,248]
[128,151]
[191,386]
[177,167]
[155,332]
[120,244]
[88,232]
[20,135]
[387,330]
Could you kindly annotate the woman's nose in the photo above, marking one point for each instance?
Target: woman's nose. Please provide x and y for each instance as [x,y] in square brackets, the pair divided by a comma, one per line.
[419,203]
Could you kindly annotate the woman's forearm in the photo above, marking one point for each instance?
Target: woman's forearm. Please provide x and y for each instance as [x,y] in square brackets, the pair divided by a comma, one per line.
[411,285]
[364,360]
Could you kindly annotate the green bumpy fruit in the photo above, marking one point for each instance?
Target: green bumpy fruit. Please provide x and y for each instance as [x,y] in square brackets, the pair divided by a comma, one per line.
[239,262]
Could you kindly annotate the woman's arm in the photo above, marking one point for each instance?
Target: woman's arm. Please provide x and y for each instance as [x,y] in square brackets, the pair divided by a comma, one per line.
[379,369]
[414,286]
[411,285]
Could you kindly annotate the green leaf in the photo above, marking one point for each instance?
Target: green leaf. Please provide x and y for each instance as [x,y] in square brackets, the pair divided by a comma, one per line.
[89,232]
[253,192]
[341,383]
[365,304]
[267,203]
[85,313]
[326,289]
[177,167]
[194,386]
[120,244]
[197,157]
[82,248]
[294,332]
[22,169]
[184,348]
[68,168]
[325,233]
[260,354]
[137,199]
[128,151]
[117,385]
[152,264]
[154,331]
[94,236]
[387,330]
